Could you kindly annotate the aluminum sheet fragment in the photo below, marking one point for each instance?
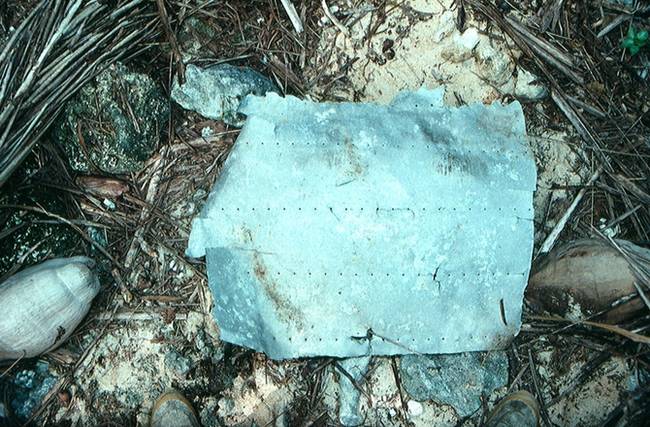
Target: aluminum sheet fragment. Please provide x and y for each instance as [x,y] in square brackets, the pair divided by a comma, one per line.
[356,229]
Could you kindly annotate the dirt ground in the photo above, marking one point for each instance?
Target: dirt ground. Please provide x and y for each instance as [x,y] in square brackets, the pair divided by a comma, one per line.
[151,327]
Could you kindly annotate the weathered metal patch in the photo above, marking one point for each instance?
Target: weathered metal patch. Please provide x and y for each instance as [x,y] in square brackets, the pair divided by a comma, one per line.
[354,229]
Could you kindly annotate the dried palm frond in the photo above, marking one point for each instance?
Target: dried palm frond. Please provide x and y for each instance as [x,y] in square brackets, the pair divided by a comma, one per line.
[59,47]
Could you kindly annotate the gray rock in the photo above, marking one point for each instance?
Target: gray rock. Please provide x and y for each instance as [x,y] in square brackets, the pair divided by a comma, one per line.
[348,393]
[458,380]
[120,116]
[216,92]
[30,387]
[177,363]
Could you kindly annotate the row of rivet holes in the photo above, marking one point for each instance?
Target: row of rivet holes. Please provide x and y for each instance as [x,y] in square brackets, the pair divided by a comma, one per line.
[382,338]
[337,144]
[478,274]
[514,209]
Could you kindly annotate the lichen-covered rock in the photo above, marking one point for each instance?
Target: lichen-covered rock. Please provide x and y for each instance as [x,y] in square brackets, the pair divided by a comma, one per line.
[216,92]
[29,388]
[458,380]
[114,122]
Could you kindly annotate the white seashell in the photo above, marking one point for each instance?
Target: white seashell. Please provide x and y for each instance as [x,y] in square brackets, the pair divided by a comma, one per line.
[42,305]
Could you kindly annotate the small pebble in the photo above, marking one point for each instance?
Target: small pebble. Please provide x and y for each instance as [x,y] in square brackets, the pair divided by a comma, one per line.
[109,204]
[415,409]
[207,132]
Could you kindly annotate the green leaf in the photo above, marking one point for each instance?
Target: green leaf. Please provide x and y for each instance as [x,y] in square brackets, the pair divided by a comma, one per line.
[630,32]
[634,49]
[642,35]
[627,43]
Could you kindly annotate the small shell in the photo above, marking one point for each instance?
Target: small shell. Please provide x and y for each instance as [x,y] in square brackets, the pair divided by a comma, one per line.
[42,305]
[585,277]
[103,187]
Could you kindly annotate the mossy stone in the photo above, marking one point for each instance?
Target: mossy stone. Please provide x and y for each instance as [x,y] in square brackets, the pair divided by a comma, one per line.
[114,123]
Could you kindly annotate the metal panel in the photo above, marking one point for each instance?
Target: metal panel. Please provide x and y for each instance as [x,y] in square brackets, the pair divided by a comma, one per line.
[353,229]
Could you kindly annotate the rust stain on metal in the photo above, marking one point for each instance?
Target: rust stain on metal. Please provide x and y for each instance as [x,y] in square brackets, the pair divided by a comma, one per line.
[353,156]
[285,309]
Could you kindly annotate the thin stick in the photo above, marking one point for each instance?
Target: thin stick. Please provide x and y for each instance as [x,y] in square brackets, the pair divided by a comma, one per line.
[293,15]
[12,366]
[72,225]
[557,230]
[540,398]
[171,37]
[642,294]
[354,382]
[332,18]
[152,191]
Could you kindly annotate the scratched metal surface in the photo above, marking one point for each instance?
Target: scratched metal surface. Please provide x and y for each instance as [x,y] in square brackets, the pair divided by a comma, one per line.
[353,229]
